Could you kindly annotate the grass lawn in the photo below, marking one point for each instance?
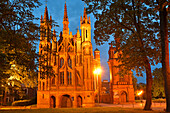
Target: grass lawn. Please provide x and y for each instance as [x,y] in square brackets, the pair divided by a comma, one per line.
[82,110]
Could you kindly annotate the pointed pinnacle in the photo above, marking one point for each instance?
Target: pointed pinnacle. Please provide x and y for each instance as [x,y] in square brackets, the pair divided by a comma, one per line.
[65,13]
[46,14]
[85,14]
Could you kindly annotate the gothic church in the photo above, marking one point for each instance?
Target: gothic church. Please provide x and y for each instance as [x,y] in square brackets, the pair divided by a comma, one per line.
[121,87]
[65,77]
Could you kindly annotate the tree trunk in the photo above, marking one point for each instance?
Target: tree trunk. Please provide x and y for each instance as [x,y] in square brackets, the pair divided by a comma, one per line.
[165,54]
[148,85]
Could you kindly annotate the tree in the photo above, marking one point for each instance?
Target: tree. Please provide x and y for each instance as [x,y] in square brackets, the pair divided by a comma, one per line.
[163,12]
[158,83]
[18,34]
[134,25]
[134,80]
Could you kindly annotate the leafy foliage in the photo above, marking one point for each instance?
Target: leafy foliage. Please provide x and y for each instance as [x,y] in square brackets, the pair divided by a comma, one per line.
[24,102]
[18,34]
[158,83]
[134,80]
[134,25]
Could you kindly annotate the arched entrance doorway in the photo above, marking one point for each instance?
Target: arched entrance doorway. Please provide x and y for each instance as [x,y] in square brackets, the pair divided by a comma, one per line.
[123,97]
[66,101]
[79,101]
[52,102]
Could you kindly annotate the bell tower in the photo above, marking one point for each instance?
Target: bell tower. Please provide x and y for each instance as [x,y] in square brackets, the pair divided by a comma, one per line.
[45,48]
[85,26]
[45,45]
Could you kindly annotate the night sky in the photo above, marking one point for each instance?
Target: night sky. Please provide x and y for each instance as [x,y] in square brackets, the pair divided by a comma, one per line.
[75,9]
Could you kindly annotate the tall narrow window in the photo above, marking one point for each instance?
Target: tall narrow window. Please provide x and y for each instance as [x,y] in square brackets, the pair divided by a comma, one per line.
[69,62]
[86,33]
[62,78]
[53,81]
[61,62]
[43,86]
[69,78]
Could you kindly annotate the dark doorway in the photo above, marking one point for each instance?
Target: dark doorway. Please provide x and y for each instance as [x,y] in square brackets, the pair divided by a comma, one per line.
[79,101]
[52,102]
[123,97]
[66,101]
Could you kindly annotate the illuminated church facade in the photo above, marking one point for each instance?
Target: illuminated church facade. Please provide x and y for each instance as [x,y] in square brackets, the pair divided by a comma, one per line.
[121,86]
[65,77]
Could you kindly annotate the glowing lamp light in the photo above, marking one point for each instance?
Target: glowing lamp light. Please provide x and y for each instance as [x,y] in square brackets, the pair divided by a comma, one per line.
[97,71]
[140,93]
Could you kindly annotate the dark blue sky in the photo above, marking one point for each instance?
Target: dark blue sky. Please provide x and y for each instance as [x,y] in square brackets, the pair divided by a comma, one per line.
[75,9]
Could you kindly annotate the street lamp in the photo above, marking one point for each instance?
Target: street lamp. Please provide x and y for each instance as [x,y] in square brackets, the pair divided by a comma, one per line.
[139,93]
[97,72]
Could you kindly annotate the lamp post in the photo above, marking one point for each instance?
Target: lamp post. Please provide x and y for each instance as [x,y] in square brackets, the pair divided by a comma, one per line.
[139,93]
[97,71]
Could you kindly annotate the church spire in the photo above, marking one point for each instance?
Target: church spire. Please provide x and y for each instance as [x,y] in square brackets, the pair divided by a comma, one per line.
[85,19]
[65,13]
[85,14]
[65,20]
[46,14]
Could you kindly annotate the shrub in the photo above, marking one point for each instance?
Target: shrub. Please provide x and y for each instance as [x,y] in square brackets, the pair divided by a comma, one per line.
[21,103]
[25,102]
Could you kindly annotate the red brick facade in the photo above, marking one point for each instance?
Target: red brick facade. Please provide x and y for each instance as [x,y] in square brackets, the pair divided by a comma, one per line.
[121,87]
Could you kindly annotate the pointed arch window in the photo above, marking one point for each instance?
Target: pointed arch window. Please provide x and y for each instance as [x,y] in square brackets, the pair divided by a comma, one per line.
[69,62]
[61,62]
[53,81]
[69,78]
[62,78]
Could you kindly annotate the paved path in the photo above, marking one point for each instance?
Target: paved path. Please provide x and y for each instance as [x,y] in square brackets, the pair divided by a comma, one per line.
[155,106]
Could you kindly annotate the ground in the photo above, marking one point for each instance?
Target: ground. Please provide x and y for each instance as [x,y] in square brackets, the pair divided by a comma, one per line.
[82,110]
[104,108]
